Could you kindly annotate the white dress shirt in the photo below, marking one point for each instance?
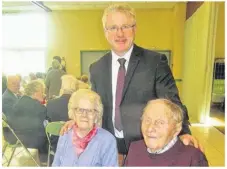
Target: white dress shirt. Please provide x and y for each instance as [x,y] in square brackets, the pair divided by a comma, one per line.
[115,68]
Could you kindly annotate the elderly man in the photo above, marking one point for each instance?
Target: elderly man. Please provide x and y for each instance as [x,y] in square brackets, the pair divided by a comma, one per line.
[129,75]
[161,124]
[10,97]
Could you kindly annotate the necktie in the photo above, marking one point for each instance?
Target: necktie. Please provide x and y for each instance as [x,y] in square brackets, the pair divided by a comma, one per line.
[119,90]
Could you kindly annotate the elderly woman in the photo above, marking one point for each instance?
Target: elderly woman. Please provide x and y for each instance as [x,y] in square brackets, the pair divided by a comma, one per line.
[86,144]
[161,124]
[28,116]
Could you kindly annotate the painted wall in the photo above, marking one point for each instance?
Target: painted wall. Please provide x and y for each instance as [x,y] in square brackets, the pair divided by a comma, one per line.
[199,51]
[220,36]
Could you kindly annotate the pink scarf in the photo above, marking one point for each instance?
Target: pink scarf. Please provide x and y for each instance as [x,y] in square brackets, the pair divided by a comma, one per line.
[81,143]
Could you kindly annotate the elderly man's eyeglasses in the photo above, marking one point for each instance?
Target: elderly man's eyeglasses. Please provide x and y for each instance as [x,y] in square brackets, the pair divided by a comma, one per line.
[157,123]
[123,28]
[88,112]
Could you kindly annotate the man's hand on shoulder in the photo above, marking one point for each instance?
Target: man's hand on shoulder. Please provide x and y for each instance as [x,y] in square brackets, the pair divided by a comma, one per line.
[188,139]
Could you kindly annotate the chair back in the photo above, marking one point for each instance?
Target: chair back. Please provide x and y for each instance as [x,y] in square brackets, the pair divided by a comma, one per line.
[54,128]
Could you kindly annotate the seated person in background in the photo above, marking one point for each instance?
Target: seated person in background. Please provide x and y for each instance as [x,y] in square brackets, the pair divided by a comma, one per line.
[53,80]
[83,82]
[57,109]
[28,117]
[86,144]
[9,99]
[32,76]
[161,124]
[84,78]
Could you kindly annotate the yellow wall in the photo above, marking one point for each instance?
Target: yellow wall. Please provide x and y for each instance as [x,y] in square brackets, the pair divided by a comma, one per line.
[220,36]
[198,62]
[72,31]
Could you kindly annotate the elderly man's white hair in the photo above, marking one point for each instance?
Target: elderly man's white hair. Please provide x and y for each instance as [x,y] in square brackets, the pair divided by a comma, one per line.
[173,111]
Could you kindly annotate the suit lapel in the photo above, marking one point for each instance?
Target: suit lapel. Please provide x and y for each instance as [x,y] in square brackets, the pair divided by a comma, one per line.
[108,78]
[133,62]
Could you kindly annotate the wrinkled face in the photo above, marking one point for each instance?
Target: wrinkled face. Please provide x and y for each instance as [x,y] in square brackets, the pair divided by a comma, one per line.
[85,114]
[40,94]
[120,31]
[157,128]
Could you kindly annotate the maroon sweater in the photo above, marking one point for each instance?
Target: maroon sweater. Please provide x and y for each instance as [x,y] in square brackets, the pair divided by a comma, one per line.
[178,155]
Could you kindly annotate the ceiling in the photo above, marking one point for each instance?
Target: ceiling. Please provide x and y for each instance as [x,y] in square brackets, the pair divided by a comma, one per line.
[8,6]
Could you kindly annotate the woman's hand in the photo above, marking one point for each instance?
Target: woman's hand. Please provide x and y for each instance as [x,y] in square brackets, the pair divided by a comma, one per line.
[66,127]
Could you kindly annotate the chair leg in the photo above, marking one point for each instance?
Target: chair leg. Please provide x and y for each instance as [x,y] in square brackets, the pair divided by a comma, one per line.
[48,158]
[4,148]
[11,157]
[31,155]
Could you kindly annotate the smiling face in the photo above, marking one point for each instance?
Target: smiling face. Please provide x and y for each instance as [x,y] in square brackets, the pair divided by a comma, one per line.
[120,31]
[157,127]
[85,115]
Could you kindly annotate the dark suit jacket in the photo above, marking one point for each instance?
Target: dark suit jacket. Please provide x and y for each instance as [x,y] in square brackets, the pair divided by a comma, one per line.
[148,77]
[57,109]
[27,121]
[8,101]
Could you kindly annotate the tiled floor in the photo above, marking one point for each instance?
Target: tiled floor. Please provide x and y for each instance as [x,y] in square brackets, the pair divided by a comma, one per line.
[217,114]
[212,140]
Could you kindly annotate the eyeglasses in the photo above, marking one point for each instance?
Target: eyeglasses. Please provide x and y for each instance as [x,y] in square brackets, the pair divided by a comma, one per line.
[89,112]
[156,123]
[124,28]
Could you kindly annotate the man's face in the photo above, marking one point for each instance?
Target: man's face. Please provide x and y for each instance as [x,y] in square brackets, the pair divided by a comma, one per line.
[13,84]
[120,39]
[157,128]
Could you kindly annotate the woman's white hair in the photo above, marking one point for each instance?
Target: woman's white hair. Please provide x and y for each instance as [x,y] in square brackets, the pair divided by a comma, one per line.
[124,8]
[69,84]
[93,98]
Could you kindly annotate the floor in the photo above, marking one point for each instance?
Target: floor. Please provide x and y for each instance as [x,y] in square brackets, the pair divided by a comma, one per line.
[211,138]
[218,117]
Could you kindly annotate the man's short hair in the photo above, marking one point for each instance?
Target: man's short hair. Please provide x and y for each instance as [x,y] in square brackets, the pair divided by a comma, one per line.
[124,8]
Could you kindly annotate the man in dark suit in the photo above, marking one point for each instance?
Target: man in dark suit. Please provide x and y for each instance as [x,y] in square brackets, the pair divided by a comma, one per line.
[9,99]
[130,76]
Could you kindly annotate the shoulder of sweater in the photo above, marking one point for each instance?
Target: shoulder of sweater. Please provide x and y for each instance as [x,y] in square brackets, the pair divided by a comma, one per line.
[189,148]
[136,143]
[105,135]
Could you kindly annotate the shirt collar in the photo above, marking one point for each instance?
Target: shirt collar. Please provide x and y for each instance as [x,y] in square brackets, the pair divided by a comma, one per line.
[126,56]
[165,148]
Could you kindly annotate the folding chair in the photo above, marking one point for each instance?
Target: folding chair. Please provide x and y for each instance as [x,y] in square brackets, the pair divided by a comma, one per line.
[18,143]
[52,129]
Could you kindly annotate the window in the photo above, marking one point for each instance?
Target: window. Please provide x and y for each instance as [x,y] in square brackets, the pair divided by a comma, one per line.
[24,43]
